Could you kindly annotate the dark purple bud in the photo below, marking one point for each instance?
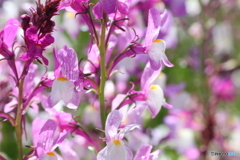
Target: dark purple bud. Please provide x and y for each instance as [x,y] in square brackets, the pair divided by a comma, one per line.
[48,27]
[25,21]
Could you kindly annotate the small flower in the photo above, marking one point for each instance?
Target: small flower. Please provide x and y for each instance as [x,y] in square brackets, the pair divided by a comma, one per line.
[156,47]
[116,148]
[36,45]
[143,153]
[66,73]
[47,139]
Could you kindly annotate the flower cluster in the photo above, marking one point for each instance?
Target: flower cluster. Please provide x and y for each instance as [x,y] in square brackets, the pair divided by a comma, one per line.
[84,79]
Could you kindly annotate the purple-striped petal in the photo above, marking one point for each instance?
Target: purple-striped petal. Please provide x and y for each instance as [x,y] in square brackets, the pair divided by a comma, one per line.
[154,25]
[113,122]
[46,137]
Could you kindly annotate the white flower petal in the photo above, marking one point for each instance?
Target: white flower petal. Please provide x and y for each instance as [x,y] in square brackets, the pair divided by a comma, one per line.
[155,99]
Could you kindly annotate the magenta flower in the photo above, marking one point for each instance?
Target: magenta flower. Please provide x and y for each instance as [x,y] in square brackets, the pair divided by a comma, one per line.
[144,153]
[116,148]
[46,138]
[111,7]
[36,44]
[7,36]
[66,73]
[156,47]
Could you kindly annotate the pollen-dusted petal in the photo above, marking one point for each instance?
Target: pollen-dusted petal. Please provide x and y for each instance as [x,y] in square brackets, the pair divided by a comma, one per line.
[116,142]
[62,79]
[51,153]
[157,40]
[48,156]
[154,87]
[155,99]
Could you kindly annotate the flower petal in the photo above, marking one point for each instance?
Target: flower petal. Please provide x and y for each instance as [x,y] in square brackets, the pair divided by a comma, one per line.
[10,31]
[62,89]
[109,6]
[148,76]
[118,151]
[156,53]
[97,11]
[143,152]
[113,122]
[154,26]
[155,99]
[68,61]
[154,155]
[128,128]
[102,155]
[46,136]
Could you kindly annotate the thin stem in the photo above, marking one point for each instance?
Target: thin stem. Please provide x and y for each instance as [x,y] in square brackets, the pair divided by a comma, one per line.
[102,50]
[94,29]
[19,120]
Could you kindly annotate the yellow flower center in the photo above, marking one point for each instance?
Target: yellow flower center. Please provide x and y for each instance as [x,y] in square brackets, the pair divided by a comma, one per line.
[51,154]
[154,87]
[62,79]
[117,142]
[70,14]
[157,40]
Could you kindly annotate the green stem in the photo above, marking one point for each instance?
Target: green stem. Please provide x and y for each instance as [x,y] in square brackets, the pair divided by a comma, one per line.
[102,49]
[19,120]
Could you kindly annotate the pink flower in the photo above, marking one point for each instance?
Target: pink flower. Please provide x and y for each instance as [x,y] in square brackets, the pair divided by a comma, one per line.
[36,44]
[46,138]
[143,153]
[116,148]
[156,47]
[66,73]
[151,93]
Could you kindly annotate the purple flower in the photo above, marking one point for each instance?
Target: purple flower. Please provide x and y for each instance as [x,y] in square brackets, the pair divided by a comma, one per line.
[156,47]
[151,93]
[177,7]
[143,153]
[36,44]
[46,137]
[116,148]
[7,36]
[66,73]
[111,7]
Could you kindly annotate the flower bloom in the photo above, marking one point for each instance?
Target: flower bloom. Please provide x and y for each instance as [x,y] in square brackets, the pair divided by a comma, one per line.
[116,148]
[66,73]
[151,93]
[156,47]
[47,138]
[36,45]
[143,153]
